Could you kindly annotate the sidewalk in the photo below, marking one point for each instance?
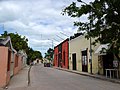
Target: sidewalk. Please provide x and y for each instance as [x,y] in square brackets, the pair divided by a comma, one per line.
[90,75]
[20,79]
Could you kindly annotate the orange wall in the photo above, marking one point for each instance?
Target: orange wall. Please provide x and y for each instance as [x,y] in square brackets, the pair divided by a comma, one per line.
[4,74]
[15,67]
[3,66]
[19,67]
[8,77]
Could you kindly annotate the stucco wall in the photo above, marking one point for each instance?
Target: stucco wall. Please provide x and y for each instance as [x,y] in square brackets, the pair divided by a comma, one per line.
[16,69]
[3,66]
[19,62]
[56,57]
[76,46]
[65,54]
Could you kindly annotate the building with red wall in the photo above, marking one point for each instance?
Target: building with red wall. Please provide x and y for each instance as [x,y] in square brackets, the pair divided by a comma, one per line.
[55,57]
[65,54]
[61,53]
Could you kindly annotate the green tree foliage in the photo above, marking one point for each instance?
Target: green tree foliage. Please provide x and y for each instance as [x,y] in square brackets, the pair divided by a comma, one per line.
[21,43]
[49,54]
[18,42]
[103,21]
[33,55]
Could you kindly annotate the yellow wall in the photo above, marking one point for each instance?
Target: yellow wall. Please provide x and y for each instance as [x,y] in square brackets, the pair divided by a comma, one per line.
[76,46]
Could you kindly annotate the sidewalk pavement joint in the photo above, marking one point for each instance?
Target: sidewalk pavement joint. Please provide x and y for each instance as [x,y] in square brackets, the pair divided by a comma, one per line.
[91,75]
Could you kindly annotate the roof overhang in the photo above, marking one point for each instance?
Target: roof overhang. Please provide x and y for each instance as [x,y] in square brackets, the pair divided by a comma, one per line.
[7,42]
[102,49]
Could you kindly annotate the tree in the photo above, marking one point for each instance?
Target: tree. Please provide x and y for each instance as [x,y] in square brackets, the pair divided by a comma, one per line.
[49,54]
[33,55]
[18,42]
[103,21]
[21,43]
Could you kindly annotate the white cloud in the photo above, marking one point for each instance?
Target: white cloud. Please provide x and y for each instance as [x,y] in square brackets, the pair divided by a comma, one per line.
[38,20]
[9,12]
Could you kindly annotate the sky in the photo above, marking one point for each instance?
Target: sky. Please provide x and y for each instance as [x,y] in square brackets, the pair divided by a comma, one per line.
[40,21]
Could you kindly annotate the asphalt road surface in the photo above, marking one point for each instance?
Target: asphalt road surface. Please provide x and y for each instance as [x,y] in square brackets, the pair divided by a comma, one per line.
[46,78]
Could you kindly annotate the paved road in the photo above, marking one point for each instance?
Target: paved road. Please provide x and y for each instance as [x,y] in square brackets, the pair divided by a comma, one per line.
[45,78]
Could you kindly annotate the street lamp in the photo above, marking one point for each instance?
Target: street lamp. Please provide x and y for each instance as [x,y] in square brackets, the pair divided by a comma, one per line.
[90,58]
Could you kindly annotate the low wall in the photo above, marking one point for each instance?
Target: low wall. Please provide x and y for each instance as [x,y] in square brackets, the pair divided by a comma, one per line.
[4,74]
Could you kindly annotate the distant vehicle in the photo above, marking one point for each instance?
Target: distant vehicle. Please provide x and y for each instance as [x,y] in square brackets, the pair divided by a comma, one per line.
[47,64]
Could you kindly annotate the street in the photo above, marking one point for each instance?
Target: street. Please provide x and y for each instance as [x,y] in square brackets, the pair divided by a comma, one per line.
[46,78]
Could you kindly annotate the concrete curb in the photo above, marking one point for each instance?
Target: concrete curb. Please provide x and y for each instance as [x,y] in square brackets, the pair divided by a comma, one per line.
[90,75]
[29,75]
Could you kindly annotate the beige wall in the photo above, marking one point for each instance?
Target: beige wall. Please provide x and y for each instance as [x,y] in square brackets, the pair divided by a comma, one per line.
[4,79]
[19,62]
[76,46]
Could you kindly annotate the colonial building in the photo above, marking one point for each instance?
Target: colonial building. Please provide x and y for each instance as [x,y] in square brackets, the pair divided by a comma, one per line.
[79,55]
[61,54]
[103,62]
[107,62]
[74,54]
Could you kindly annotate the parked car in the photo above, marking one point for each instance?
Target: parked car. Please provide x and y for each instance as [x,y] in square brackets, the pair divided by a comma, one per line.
[47,64]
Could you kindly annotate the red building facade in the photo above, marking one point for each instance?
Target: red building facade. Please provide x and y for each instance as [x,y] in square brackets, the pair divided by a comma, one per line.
[55,57]
[61,53]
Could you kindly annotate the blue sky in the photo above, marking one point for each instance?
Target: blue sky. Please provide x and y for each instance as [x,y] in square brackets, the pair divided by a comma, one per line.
[39,20]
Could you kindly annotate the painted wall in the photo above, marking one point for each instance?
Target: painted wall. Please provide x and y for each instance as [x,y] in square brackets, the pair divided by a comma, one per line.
[61,55]
[56,56]
[65,54]
[5,58]
[77,45]
[16,69]
[12,64]
[4,73]
[19,63]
